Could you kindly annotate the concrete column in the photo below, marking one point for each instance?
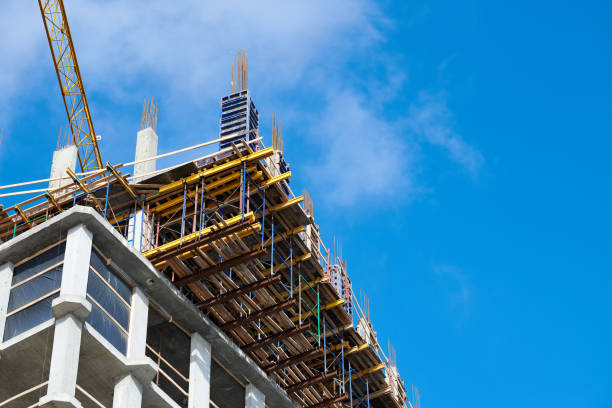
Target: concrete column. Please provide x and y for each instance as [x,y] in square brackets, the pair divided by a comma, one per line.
[6,278]
[71,309]
[199,373]
[76,262]
[137,229]
[146,146]
[254,398]
[137,340]
[128,393]
[62,158]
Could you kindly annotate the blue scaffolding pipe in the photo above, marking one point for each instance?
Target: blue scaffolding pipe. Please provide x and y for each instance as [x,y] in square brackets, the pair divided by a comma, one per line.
[350,386]
[272,250]
[243,188]
[263,219]
[254,182]
[257,208]
[184,209]
[202,207]
[106,200]
[361,401]
[324,347]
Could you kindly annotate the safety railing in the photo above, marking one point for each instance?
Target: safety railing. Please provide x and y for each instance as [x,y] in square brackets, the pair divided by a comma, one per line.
[170,373]
[26,396]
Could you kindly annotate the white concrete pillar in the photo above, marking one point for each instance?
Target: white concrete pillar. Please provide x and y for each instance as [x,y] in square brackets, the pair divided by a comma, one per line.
[139,232]
[146,146]
[128,393]
[6,278]
[76,262]
[64,363]
[137,339]
[63,158]
[199,373]
[254,398]
[71,309]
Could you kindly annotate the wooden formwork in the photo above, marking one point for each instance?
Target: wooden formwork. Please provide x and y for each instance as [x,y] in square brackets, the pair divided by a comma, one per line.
[229,236]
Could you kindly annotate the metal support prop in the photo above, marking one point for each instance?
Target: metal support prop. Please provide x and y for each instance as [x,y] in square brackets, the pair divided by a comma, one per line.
[263,219]
[141,239]
[106,200]
[202,206]
[343,378]
[184,209]
[242,189]
[324,347]
[319,315]
[272,249]
[350,386]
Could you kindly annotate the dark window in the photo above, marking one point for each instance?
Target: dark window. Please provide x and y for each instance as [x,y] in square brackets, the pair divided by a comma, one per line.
[111,297]
[29,318]
[39,263]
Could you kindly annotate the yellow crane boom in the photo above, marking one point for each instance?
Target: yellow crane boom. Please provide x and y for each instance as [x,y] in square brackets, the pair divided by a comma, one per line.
[71,83]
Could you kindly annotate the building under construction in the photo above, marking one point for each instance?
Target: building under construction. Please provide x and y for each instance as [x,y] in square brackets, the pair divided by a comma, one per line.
[203,284]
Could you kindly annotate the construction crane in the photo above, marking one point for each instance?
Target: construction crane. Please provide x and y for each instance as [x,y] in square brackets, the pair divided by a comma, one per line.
[71,83]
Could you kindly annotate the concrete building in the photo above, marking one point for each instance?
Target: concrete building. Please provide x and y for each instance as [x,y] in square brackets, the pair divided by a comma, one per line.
[203,284]
[86,320]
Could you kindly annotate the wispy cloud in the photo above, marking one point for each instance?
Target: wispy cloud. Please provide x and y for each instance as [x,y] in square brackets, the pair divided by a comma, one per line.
[456,285]
[187,45]
[362,154]
[368,155]
[431,119]
[180,53]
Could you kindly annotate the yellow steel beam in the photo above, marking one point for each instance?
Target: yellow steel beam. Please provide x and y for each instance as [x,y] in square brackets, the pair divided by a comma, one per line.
[222,190]
[209,187]
[294,231]
[121,180]
[328,306]
[23,216]
[241,234]
[54,201]
[191,252]
[333,304]
[295,261]
[276,179]
[261,154]
[356,349]
[83,187]
[288,204]
[305,287]
[187,238]
[370,370]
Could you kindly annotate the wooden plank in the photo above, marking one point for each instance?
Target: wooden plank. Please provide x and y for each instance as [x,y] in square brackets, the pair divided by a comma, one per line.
[203,273]
[240,291]
[254,316]
[278,336]
[311,381]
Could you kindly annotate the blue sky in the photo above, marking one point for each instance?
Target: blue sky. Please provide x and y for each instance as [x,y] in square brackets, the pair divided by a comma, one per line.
[458,150]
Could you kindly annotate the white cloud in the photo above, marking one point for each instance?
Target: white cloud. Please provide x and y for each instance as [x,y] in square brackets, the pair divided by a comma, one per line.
[365,154]
[362,154]
[180,52]
[187,45]
[431,119]
[457,287]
